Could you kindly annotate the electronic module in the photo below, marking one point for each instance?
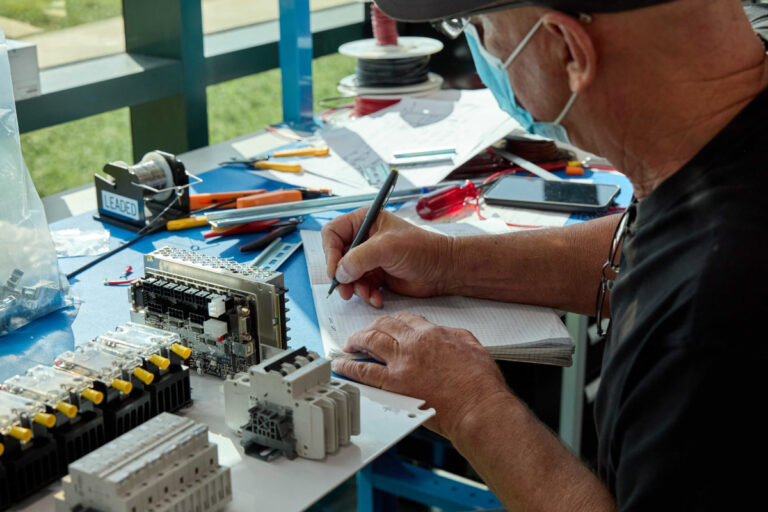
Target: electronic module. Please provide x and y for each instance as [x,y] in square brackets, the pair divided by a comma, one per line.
[231,315]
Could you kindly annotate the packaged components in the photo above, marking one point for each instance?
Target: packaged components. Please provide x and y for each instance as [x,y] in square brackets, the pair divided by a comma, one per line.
[289,404]
[27,452]
[166,464]
[163,356]
[230,315]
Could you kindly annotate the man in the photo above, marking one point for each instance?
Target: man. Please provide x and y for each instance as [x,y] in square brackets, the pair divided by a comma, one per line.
[674,94]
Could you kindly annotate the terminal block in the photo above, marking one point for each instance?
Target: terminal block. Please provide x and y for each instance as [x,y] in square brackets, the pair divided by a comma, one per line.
[163,356]
[231,315]
[27,452]
[120,378]
[79,425]
[166,464]
[290,405]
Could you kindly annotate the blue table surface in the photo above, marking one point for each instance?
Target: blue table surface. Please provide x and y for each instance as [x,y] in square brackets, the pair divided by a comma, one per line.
[101,308]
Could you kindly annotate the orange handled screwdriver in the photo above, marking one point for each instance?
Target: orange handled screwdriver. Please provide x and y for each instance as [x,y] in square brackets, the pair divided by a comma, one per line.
[197,201]
[278,196]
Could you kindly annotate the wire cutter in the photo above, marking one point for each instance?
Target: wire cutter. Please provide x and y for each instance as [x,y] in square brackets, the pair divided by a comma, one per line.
[264,161]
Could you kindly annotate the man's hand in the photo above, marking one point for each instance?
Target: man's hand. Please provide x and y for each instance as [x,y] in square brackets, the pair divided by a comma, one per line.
[408,259]
[446,367]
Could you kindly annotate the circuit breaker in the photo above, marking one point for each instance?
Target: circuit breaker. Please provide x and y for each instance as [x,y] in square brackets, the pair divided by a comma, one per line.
[231,315]
[290,405]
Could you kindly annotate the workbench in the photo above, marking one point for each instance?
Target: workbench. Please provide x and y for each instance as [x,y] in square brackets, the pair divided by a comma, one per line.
[277,485]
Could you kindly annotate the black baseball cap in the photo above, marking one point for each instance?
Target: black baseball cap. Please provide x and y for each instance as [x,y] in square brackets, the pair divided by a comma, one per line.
[432,10]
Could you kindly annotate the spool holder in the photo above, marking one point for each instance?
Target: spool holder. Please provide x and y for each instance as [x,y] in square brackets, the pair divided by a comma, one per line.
[132,196]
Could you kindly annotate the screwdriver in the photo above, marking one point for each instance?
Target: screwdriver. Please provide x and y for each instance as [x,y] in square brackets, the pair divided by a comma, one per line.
[281,196]
[446,200]
[197,201]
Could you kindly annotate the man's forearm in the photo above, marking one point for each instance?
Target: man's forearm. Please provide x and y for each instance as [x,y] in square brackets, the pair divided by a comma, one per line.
[558,267]
[523,463]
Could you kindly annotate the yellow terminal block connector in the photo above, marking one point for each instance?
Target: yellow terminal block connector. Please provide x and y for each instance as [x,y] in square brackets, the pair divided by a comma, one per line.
[123,386]
[2,449]
[45,419]
[20,433]
[67,409]
[144,376]
[181,350]
[159,361]
[94,396]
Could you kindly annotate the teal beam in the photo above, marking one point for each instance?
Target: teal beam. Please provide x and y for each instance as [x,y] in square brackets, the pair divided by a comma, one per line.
[172,29]
[81,89]
[95,86]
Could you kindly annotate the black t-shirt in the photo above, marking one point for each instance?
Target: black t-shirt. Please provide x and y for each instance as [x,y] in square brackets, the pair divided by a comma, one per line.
[684,386]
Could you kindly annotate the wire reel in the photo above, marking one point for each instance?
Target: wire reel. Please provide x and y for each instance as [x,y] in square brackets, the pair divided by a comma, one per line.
[389,67]
[131,196]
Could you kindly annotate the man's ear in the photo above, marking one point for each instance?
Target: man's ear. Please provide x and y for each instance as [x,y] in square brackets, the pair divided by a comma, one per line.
[579,57]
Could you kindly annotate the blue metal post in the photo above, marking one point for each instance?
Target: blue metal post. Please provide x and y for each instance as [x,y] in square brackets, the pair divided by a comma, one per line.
[296,63]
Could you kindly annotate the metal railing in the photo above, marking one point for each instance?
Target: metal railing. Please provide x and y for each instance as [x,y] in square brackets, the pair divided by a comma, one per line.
[168,63]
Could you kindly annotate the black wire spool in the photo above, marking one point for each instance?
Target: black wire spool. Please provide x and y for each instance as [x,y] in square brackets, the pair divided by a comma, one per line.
[392,72]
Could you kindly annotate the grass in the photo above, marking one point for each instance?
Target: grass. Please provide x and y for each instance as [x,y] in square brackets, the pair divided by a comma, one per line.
[43,14]
[67,155]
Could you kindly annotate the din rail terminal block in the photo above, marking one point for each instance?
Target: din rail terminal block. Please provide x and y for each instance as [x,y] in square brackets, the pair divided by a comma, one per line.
[167,464]
[231,315]
[290,405]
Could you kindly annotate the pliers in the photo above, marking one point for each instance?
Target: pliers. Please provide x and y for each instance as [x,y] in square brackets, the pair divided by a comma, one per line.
[263,161]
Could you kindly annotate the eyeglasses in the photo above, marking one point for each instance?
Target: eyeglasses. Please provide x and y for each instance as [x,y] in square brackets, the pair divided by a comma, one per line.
[454,27]
[614,255]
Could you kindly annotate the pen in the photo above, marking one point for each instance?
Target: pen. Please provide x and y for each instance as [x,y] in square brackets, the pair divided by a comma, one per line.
[373,213]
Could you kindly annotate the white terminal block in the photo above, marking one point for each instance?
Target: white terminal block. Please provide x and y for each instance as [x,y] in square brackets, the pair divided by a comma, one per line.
[295,386]
[164,465]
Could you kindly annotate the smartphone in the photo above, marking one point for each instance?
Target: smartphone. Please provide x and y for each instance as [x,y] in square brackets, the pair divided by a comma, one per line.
[537,193]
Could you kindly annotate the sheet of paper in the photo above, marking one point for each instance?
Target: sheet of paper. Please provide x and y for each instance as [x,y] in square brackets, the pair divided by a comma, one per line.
[467,121]
[497,325]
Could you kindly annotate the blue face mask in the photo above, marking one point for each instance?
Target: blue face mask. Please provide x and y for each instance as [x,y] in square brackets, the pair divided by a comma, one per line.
[493,73]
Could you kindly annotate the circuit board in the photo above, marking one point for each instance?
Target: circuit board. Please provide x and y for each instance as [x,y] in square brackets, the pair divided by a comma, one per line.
[231,315]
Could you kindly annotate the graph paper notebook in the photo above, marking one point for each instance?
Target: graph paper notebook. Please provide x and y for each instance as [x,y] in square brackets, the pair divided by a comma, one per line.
[510,332]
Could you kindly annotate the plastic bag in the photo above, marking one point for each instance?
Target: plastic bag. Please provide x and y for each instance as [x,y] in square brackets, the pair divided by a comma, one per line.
[80,242]
[31,284]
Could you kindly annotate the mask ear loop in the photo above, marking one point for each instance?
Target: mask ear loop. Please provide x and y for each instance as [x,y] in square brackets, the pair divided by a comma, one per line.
[566,108]
[522,44]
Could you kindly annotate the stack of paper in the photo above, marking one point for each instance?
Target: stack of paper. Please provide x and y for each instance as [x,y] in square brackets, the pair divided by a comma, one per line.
[512,332]
[467,121]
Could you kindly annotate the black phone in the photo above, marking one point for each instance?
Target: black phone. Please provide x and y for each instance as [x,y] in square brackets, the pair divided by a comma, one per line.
[567,196]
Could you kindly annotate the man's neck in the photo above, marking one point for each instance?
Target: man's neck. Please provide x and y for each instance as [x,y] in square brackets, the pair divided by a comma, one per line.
[680,90]
[672,130]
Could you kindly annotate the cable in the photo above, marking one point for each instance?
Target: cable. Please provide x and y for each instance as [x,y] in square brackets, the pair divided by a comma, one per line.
[384,27]
[149,229]
[392,72]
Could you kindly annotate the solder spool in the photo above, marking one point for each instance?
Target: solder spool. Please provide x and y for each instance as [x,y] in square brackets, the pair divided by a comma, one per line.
[389,67]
